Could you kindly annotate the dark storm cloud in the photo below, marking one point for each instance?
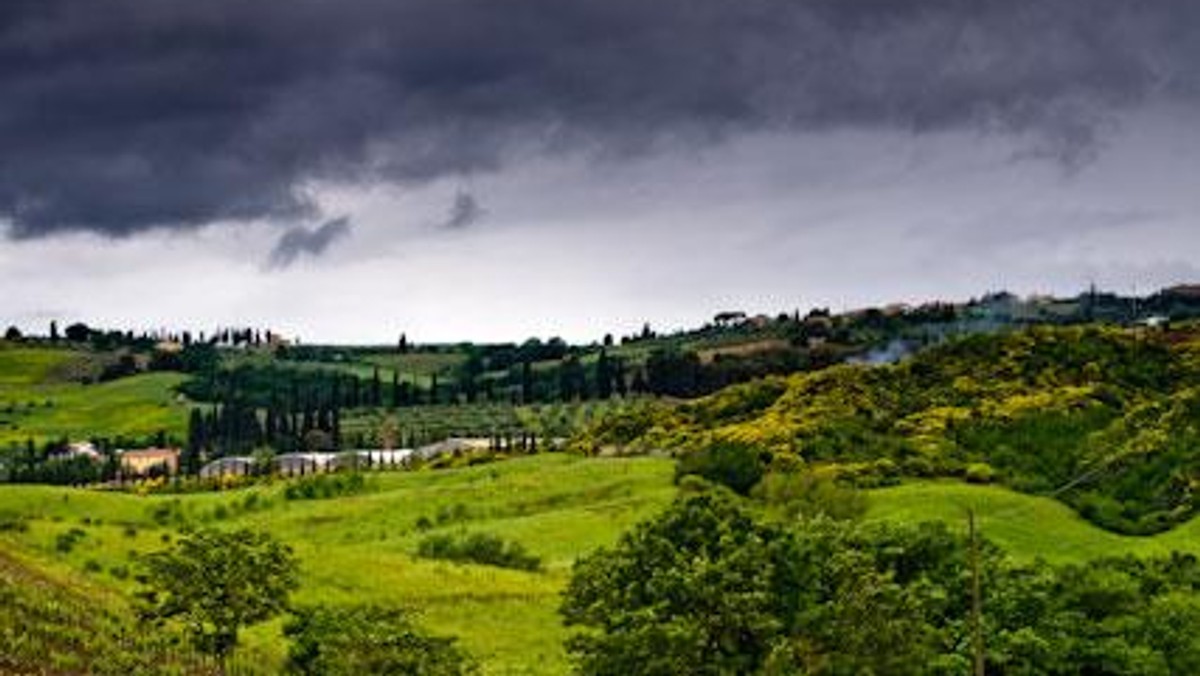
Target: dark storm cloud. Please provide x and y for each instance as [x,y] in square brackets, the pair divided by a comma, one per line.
[299,241]
[123,115]
[465,211]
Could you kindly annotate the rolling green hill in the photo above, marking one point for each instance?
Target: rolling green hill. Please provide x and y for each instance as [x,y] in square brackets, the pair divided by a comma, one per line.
[1025,526]
[1113,415]
[361,548]
[39,402]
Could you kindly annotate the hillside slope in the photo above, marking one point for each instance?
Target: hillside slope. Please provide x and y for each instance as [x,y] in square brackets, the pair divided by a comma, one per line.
[40,400]
[1024,526]
[361,548]
[1107,420]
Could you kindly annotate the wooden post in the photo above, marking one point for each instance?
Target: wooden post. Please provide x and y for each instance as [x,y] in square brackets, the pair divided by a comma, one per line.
[976,601]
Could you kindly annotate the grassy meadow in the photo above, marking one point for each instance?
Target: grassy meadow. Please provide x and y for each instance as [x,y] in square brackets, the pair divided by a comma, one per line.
[38,401]
[1025,526]
[361,548]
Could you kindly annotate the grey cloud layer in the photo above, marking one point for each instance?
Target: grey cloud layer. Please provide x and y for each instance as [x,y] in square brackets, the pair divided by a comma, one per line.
[125,115]
[464,211]
[299,241]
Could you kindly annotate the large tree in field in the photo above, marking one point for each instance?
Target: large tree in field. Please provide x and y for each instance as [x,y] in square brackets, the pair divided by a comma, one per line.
[217,582]
[702,589]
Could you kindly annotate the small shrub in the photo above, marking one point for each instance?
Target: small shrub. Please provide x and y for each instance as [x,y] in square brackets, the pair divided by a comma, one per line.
[979,473]
[65,542]
[164,513]
[453,513]
[250,502]
[738,466]
[119,572]
[92,566]
[807,494]
[424,524]
[131,531]
[481,548]
[13,523]
[325,486]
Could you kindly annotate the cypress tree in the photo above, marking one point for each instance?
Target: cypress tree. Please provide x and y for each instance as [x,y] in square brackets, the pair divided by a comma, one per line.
[526,382]
[603,376]
[189,463]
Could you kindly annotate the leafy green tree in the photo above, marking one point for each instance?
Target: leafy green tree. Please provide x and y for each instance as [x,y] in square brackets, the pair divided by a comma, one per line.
[78,332]
[702,589]
[217,582]
[707,588]
[368,640]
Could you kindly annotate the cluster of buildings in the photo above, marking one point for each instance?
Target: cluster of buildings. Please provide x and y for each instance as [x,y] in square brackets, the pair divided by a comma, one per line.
[142,462]
[165,461]
[300,464]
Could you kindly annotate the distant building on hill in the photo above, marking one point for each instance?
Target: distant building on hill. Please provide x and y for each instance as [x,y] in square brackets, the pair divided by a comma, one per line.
[149,460]
[231,466]
[79,449]
[298,464]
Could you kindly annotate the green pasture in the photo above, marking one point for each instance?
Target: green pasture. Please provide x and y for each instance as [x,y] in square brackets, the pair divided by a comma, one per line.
[361,548]
[137,406]
[1023,525]
[35,402]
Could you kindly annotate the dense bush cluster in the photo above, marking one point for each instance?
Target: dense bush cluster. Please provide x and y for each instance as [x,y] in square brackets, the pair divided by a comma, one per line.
[710,588]
[350,641]
[324,486]
[481,548]
[737,466]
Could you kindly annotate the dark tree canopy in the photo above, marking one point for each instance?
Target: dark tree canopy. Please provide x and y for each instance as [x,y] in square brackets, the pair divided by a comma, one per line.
[368,640]
[708,588]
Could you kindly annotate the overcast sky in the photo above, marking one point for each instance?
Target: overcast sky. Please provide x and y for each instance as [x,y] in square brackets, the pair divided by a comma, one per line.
[344,170]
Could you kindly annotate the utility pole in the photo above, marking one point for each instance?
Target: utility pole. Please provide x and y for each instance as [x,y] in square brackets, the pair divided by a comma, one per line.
[976,600]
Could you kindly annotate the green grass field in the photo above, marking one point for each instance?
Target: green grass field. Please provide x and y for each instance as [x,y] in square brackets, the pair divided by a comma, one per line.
[1023,525]
[36,403]
[360,548]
